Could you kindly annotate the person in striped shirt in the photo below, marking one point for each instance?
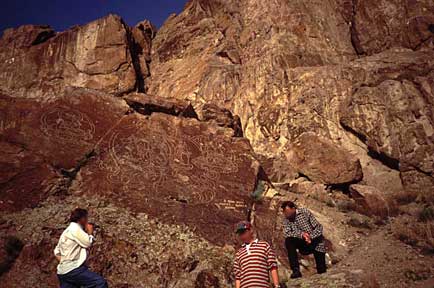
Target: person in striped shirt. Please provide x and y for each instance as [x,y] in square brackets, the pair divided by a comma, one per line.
[254,261]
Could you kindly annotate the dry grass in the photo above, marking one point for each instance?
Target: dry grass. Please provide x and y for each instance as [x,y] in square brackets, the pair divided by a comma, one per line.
[370,281]
[414,232]
[406,197]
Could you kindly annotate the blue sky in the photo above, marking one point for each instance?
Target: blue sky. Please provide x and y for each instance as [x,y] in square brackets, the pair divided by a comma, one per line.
[62,14]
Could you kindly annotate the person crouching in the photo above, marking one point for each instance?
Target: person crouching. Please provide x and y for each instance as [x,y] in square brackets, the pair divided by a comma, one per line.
[304,233]
[71,252]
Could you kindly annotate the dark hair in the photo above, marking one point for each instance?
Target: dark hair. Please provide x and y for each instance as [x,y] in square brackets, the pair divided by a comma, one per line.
[289,204]
[77,214]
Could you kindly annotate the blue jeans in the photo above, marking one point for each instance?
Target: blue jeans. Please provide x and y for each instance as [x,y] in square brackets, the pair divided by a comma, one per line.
[82,277]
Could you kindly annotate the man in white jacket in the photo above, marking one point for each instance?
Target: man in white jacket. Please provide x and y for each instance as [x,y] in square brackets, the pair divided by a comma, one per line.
[71,251]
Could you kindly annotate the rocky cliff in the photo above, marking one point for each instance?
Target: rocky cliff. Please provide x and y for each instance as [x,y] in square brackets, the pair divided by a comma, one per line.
[170,137]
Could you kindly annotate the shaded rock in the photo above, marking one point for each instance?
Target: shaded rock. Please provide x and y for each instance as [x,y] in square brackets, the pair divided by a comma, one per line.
[177,169]
[289,81]
[147,104]
[222,117]
[96,55]
[268,224]
[62,131]
[27,35]
[380,25]
[25,178]
[360,221]
[37,260]
[131,250]
[322,161]
[44,142]
[371,202]
[10,248]
[305,186]
[394,117]
[205,279]
[142,35]
[278,169]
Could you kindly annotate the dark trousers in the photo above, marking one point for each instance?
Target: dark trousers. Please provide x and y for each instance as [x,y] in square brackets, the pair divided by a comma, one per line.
[292,244]
[82,277]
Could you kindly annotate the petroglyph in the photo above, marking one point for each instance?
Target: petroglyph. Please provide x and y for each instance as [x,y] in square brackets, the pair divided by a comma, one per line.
[66,124]
[6,123]
[157,161]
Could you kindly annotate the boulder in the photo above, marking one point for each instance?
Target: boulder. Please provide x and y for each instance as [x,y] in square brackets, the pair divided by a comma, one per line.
[322,161]
[38,63]
[372,202]
[43,145]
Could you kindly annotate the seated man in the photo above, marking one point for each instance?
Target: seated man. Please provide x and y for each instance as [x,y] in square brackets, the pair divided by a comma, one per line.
[302,232]
[71,253]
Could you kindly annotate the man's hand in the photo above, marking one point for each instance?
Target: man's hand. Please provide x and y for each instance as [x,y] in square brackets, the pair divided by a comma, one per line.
[306,237]
[59,258]
[89,228]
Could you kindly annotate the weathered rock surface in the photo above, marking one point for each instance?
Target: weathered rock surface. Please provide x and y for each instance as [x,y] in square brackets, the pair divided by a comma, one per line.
[323,162]
[25,178]
[369,201]
[278,169]
[177,169]
[35,62]
[148,104]
[286,68]
[140,48]
[222,117]
[394,116]
[337,91]
[62,131]
[379,25]
[132,250]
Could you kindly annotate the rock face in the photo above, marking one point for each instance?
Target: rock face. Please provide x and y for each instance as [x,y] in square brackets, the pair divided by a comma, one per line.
[169,135]
[179,170]
[370,202]
[287,68]
[147,104]
[97,56]
[174,168]
[379,25]
[322,162]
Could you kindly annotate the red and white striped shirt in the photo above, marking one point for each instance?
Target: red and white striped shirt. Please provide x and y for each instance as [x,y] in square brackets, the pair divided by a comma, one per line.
[253,263]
